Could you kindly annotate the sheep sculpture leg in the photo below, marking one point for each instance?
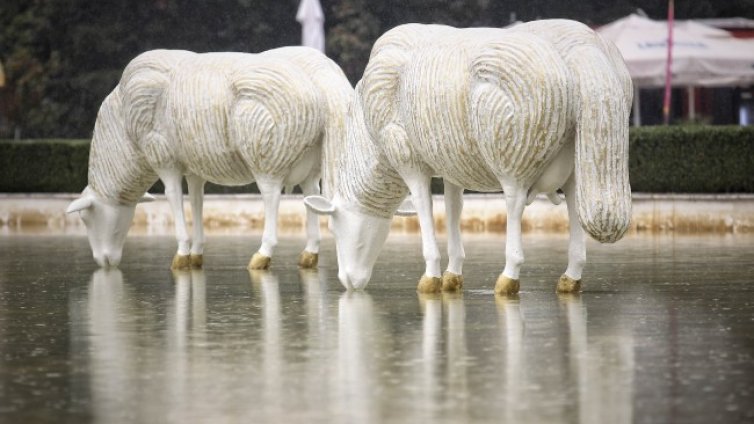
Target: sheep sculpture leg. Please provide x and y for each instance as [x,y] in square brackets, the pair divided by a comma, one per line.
[515,200]
[310,256]
[418,184]
[270,190]
[174,193]
[570,281]
[196,195]
[452,278]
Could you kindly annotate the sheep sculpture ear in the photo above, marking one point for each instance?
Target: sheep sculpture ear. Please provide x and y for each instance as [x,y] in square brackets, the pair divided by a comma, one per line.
[319,205]
[79,204]
[146,198]
[406,209]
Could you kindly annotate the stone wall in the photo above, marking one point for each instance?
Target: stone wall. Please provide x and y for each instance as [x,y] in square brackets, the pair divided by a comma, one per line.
[44,213]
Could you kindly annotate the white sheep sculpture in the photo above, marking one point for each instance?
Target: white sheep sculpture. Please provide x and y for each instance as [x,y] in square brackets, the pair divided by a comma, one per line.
[530,109]
[227,118]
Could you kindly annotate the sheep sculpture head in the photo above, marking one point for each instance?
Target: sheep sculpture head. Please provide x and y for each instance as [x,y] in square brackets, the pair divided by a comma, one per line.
[359,237]
[107,223]
[361,196]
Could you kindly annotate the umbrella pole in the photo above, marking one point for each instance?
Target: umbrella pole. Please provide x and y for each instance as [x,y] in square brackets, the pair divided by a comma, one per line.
[692,104]
[668,67]
[637,108]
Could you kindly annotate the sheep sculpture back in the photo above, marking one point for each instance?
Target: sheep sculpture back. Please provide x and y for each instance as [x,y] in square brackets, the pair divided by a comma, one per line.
[531,109]
[227,118]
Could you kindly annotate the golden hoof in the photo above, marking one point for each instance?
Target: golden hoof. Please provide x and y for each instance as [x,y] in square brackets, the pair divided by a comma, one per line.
[429,284]
[196,261]
[308,259]
[259,261]
[180,262]
[567,284]
[506,286]
[451,282]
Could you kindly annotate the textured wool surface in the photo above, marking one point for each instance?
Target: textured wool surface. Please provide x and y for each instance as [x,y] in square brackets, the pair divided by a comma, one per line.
[485,107]
[605,93]
[228,118]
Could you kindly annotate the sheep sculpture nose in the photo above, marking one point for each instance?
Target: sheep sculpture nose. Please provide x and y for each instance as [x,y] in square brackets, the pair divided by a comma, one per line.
[107,260]
[354,280]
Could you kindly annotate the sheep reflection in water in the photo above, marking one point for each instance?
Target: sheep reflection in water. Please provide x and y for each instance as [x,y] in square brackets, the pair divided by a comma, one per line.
[193,349]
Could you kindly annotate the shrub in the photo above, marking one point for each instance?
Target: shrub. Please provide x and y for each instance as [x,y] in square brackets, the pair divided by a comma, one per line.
[675,159]
[46,166]
[692,159]
[60,166]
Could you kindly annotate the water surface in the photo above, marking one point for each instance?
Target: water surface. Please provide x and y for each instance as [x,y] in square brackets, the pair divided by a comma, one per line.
[664,332]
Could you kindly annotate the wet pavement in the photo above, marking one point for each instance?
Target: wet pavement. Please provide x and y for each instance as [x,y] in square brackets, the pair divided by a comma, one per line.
[663,332]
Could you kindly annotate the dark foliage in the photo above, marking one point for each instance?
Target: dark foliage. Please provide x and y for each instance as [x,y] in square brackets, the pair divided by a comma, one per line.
[679,159]
[62,58]
[44,166]
[692,159]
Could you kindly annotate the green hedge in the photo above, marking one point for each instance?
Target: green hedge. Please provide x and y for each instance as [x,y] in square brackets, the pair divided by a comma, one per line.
[692,159]
[676,159]
[60,166]
[45,166]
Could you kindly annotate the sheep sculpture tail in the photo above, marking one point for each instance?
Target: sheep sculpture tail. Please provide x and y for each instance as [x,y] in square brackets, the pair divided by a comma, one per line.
[603,192]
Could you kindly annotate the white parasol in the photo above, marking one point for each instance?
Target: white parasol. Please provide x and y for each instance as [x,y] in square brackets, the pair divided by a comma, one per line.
[312,21]
[702,55]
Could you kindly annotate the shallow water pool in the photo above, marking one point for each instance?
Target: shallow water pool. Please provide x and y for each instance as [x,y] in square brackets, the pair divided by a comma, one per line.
[663,332]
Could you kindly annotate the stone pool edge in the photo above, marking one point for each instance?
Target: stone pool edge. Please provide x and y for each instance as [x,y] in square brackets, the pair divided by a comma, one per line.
[687,213]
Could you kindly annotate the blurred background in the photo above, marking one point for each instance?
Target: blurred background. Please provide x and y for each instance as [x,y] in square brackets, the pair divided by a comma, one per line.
[61,58]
